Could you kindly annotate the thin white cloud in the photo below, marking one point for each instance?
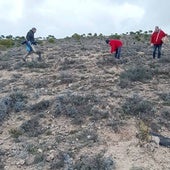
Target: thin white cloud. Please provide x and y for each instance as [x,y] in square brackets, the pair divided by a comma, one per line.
[10,10]
[63,18]
[88,16]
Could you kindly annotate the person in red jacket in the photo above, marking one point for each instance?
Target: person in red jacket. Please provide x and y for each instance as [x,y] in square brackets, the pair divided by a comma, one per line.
[156,41]
[116,46]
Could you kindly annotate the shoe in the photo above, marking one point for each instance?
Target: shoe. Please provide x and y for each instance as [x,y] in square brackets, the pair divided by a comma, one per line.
[39,56]
[24,59]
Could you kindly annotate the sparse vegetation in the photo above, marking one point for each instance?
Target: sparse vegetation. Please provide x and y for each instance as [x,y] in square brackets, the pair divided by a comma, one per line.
[15,133]
[166,98]
[36,64]
[96,162]
[15,102]
[143,133]
[138,107]
[80,108]
[2,164]
[32,128]
[6,43]
[137,74]
[51,39]
[73,105]
[41,106]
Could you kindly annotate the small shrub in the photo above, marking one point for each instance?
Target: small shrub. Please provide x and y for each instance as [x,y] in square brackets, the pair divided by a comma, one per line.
[5,57]
[165,59]
[166,98]
[15,133]
[67,63]
[107,60]
[5,65]
[32,149]
[138,37]
[124,83]
[166,114]
[36,64]
[7,43]
[39,157]
[136,74]
[16,102]
[48,133]
[3,48]
[138,168]
[59,162]
[32,128]
[37,83]
[66,77]
[98,114]
[136,106]
[143,134]
[96,162]
[115,36]
[115,125]
[3,110]
[2,165]
[86,136]
[41,106]
[74,105]
[51,40]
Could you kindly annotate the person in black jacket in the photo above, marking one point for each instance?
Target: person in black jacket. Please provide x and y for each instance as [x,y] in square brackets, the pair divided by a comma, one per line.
[30,44]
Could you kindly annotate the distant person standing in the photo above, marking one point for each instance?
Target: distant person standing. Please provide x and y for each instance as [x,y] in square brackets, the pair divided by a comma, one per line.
[116,46]
[30,44]
[156,41]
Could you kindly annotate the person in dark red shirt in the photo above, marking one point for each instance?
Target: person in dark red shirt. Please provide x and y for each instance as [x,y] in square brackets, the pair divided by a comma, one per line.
[156,41]
[116,46]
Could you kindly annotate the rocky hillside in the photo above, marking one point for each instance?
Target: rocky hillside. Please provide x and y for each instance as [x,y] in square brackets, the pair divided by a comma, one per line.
[80,109]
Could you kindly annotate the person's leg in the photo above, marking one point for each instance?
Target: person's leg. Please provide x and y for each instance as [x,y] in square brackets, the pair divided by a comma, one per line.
[159,50]
[118,52]
[39,55]
[29,51]
[37,52]
[154,51]
[25,57]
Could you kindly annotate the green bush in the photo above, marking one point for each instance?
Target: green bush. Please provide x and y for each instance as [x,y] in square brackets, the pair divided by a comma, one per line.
[51,40]
[115,36]
[6,43]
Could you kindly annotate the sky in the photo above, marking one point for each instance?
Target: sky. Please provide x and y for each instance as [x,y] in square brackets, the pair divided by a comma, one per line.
[62,18]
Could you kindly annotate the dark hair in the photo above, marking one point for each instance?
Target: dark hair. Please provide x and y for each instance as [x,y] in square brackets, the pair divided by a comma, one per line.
[34,28]
[107,41]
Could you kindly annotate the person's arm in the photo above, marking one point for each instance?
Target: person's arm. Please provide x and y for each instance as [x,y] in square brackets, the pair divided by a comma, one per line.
[151,40]
[113,48]
[163,33]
